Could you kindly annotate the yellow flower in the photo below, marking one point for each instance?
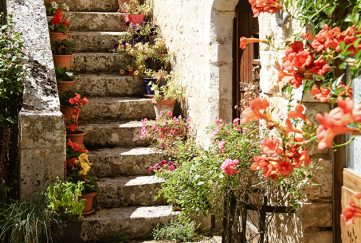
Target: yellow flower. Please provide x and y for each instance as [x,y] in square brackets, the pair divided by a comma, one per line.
[84,164]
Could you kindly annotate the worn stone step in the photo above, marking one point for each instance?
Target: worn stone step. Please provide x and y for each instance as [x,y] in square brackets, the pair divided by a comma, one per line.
[108,85]
[123,161]
[98,41]
[96,21]
[98,62]
[93,5]
[128,222]
[116,109]
[129,191]
[108,134]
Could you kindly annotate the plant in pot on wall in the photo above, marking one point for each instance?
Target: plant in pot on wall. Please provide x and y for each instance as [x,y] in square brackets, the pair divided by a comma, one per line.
[136,12]
[79,169]
[65,79]
[59,26]
[63,54]
[166,91]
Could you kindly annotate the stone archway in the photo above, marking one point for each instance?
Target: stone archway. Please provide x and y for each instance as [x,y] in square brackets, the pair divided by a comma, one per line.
[221,54]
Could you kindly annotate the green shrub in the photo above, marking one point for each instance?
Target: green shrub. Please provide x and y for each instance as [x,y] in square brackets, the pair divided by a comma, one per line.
[26,222]
[63,198]
[180,230]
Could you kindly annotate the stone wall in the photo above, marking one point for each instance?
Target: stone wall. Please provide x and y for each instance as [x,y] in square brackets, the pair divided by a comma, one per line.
[200,35]
[203,56]
[42,131]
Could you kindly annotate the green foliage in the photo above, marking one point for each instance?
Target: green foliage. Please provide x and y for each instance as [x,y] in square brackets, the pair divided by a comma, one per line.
[26,222]
[64,75]
[181,229]
[63,198]
[318,12]
[62,47]
[198,185]
[12,73]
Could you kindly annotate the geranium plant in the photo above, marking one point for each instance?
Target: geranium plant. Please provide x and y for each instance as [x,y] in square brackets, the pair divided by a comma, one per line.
[62,47]
[136,7]
[59,23]
[52,5]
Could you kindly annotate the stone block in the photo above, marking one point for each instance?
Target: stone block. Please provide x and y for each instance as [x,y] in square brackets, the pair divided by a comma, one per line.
[319,237]
[316,215]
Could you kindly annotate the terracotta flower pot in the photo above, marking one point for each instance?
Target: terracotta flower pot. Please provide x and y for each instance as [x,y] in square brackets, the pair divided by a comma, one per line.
[88,202]
[58,36]
[63,61]
[64,86]
[76,137]
[71,113]
[163,106]
[121,2]
[134,18]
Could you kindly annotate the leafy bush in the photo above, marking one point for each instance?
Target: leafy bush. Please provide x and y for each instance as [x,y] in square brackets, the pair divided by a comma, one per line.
[26,222]
[63,198]
[12,73]
[180,230]
[64,75]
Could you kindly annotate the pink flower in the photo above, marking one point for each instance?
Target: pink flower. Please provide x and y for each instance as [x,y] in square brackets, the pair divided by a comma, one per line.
[221,145]
[228,167]
[169,114]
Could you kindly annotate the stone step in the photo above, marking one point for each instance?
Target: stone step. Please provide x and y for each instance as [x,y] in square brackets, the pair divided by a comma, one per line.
[116,109]
[109,85]
[88,41]
[96,21]
[123,161]
[112,134]
[93,5]
[98,62]
[128,191]
[128,222]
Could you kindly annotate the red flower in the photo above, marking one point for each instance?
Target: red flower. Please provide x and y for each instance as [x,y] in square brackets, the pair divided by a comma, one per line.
[265,6]
[320,94]
[228,167]
[76,147]
[71,162]
[255,111]
[58,17]
[72,128]
[270,146]
[319,67]
[243,42]
[351,211]
[285,168]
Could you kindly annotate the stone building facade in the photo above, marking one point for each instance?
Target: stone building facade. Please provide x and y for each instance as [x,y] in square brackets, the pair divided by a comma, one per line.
[200,34]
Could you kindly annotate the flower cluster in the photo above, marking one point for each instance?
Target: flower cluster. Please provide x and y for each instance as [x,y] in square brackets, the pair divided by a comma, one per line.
[344,119]
[280,155]
[59,23]
[77,100]
[352,211]
[166,130]
[312,62]
[53,5]
[265,6]
[229,167]
[162,165]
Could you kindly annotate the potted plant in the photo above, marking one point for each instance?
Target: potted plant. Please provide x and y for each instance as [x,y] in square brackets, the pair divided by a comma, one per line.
[166,92]
[79,169]
[63,54]
[64,199]
[71,104]
[136,12]
[65,79]
[59,26]
[73,134]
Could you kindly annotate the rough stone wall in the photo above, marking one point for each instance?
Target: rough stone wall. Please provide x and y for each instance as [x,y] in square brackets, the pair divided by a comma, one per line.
[203,56]
[42,132]
[200,35]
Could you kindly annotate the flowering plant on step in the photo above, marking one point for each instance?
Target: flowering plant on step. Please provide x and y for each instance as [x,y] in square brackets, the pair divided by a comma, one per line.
[52,5]
[165,131]
[59,23]
[79,168]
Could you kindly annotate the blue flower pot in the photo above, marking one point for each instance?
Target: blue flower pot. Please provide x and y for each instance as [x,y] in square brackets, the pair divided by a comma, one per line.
[148,90]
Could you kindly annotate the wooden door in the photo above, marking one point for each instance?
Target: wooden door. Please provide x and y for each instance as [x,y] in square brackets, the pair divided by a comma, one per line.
[246,62]
[351,180]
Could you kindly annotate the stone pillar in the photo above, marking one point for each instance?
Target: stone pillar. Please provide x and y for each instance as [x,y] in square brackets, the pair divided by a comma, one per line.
[42,132]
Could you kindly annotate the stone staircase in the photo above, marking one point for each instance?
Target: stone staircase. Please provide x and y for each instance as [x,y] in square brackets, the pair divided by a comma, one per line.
[112,123]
